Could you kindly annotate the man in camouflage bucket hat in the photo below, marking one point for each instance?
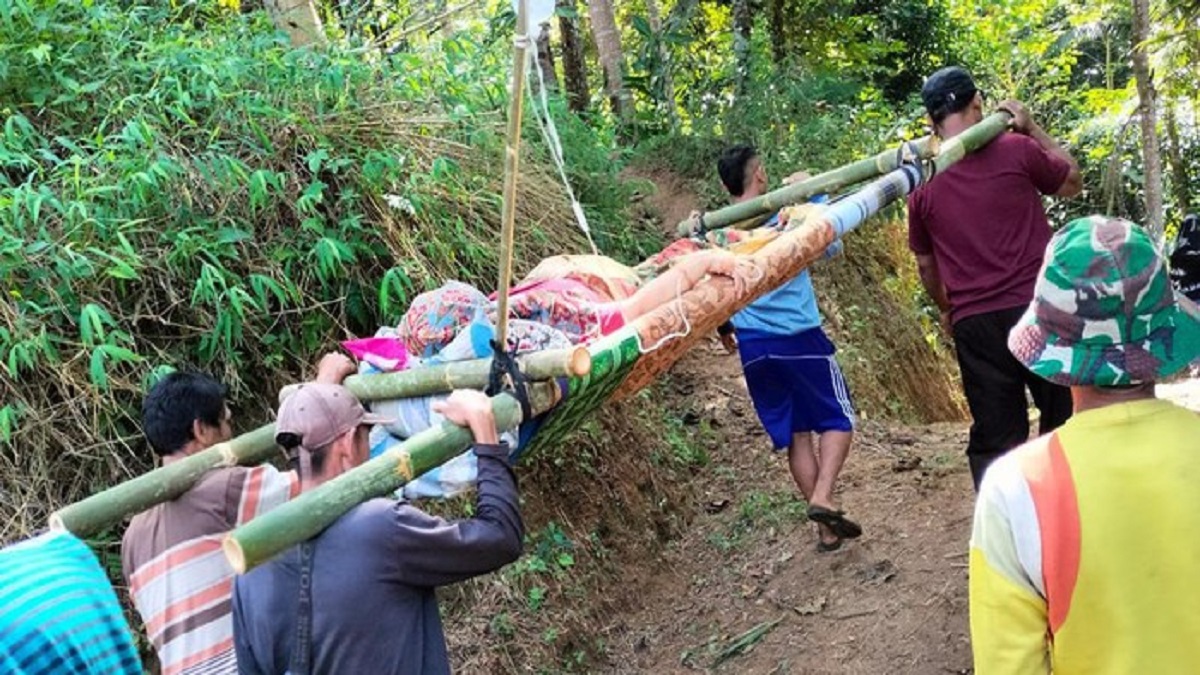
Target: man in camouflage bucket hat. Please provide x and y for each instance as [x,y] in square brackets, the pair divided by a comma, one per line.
[1104,313]
[1084,543]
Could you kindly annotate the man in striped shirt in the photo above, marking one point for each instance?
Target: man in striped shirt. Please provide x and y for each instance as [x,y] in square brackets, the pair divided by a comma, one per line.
[1086,540]
[178,577]
[58,613]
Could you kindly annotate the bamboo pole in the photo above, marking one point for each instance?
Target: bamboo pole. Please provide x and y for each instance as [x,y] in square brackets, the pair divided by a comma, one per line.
[446,377]
[512,164]
[849,213]
[105,509]
[748,214]
[971,140]
[307,515]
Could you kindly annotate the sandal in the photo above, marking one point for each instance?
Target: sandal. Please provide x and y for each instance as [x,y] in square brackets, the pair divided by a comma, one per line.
[827,547]
[837,521]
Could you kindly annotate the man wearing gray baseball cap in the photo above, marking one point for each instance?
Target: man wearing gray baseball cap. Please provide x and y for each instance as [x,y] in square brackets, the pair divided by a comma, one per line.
[359,597]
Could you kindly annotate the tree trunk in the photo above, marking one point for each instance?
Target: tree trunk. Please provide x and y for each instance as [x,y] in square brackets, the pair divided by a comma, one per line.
[778,32]
[654,15]
[545,60]
[612,58]
[743,23]
[574,68]
[297,18]
[1147,98]
[1179,174]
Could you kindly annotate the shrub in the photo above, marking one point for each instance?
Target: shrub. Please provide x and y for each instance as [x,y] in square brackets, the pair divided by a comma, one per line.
[186,192]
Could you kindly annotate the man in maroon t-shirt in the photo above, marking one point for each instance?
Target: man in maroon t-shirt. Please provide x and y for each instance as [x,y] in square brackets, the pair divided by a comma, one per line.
[979,231]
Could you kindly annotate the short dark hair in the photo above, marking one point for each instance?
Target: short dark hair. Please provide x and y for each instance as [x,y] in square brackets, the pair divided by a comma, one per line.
[291,447]
[947,92]
[732,167]
[174,403]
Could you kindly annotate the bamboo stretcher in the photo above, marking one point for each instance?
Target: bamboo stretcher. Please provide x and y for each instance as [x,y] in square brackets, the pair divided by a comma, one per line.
[620,364]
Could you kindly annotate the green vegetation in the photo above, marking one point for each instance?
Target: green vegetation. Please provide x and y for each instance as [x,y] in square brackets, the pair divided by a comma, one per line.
[181,187]
[187,193]
[760,511]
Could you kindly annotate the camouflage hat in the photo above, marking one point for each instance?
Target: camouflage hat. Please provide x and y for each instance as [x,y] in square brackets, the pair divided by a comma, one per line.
[1103,312]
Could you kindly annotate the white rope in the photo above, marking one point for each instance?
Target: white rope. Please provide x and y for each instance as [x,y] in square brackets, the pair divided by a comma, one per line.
[550,133]
[740,287]
[677,304]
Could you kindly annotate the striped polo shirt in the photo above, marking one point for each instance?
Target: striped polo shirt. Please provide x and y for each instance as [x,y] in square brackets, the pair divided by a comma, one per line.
[1085,552]
[178,576]
[58,612]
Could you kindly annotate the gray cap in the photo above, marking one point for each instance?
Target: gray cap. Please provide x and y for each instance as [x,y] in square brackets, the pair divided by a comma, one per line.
[319,413]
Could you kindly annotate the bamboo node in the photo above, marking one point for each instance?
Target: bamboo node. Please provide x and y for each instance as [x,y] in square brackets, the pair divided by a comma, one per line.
[404,467]
[228,456]
[580,363]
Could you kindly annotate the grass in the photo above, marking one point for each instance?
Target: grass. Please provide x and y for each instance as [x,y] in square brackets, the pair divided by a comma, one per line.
[757,511]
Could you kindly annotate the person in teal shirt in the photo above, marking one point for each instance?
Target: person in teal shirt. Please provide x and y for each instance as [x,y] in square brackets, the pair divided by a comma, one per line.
[58,612]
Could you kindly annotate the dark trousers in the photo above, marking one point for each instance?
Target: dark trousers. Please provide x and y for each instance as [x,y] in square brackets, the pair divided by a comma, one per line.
[995,382]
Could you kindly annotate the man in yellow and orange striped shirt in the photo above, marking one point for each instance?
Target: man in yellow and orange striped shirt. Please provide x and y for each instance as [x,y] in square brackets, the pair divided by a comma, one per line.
[1085,552]
[178,577]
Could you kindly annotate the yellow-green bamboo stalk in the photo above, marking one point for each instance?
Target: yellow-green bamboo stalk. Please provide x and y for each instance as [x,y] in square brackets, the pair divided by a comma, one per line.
[446,377]
[92,515]
[748,214]
[512,167]
[975,137]
[306,516]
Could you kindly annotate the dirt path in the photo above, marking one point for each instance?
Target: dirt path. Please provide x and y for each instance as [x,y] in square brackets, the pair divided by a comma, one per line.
[747,570]
[893,602]
[896,602]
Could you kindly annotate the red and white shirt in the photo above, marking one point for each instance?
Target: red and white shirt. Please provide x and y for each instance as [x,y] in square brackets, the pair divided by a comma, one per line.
[178,576]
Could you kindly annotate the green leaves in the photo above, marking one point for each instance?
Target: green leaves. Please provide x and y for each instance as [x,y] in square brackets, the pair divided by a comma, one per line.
[107,344]
[9,415]
[176,191]
[394,293]
[94,322]
[105,356]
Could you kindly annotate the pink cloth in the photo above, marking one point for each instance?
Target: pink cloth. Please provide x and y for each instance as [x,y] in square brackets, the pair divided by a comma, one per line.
[385,353]
[562,285]
[567,305]
[611,318]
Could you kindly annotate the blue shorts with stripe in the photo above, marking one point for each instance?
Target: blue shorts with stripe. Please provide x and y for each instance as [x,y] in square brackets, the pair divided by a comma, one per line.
[795,383]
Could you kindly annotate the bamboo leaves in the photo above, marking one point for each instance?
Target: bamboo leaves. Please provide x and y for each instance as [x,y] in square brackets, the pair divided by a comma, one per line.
[94,322]
[205,195]
[108,346]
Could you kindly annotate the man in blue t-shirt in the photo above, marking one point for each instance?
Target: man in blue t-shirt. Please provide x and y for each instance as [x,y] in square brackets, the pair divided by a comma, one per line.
[793,377]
